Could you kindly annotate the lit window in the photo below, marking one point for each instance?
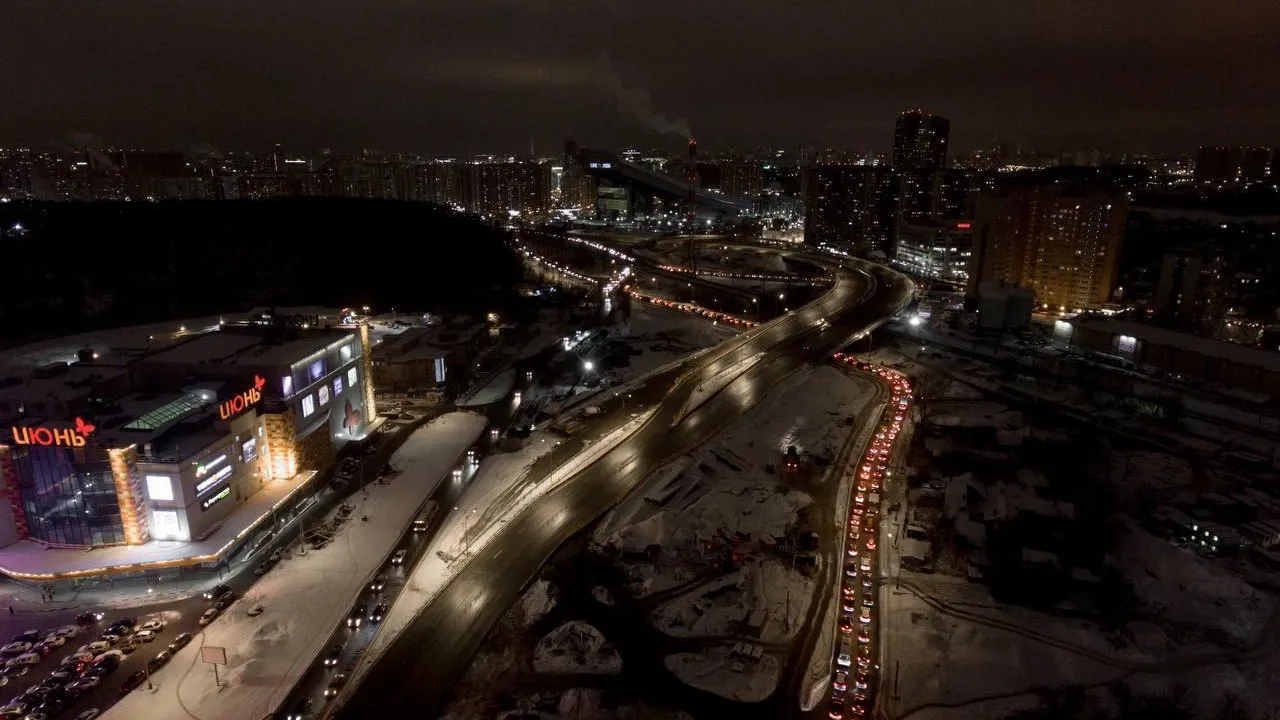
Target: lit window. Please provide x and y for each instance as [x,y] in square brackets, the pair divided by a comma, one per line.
[308,406]
[250,449]
[352,378]
[323,395]
[165,525]
[317,369]
[286,385]
[159,487]
[337,386]
[345,352]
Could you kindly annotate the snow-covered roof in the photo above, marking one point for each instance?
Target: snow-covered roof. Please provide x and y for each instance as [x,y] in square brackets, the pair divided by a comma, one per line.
[1217,349]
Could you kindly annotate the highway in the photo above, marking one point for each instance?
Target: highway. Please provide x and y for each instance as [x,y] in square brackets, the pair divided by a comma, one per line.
[415,677]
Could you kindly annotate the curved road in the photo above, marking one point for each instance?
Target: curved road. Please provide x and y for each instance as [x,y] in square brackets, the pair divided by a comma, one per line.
[416,674]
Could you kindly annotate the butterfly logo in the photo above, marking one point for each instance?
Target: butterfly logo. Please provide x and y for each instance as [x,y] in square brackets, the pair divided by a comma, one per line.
[259,382]
[353,419]
[83,427]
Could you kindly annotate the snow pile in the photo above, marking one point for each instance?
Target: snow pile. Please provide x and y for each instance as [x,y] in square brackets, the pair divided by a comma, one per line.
[537,601]
[762,510]
[493,391]
[713,609]
[719,671]
[305,597]
[1188,592]
[576,647]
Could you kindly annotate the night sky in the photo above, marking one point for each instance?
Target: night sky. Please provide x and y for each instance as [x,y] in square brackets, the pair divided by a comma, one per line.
[468,76]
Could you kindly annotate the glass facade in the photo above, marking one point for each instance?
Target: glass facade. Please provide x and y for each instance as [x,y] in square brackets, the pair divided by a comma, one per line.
[69,496]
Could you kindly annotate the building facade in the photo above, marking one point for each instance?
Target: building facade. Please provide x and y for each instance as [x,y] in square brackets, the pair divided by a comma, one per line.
[937,251]
[849,207]
[204,426]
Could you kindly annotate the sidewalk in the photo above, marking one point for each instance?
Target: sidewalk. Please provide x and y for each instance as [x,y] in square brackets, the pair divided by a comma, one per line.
[105,594]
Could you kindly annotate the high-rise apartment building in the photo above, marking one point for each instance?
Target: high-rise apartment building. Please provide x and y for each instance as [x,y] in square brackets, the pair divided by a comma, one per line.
[1194,288]
[1060,240]
[849,207]
[920,141]
[498,188]
[739,178]
[1218,164]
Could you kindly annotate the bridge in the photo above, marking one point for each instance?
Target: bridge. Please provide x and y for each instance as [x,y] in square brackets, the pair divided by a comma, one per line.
[621,173]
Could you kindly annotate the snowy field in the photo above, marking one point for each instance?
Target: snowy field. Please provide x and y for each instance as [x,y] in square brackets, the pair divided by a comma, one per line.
[719,607]
[305,597]
[717,671]
[664,336]
[498,387]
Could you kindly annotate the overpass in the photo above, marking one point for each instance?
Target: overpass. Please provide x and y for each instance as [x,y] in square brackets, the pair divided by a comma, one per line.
[618,172]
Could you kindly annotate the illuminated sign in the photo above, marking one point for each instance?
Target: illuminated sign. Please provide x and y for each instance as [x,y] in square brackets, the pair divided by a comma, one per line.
[247,399]
[53,437]
[203,468]
[208,483]
[963,226]
[215,499]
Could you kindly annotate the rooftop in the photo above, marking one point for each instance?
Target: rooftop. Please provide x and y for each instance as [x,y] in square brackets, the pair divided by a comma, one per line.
[1231,352]
[248,347]
[59,386]
[31,560]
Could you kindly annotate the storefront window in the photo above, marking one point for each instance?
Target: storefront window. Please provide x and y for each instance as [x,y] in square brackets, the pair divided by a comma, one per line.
[69,503]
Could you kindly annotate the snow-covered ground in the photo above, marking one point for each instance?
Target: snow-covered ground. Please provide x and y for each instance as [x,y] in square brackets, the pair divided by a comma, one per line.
[720,607]
[537,601]
[663,336]
[717,671]
[1190,596]
[576,647]
[305,597]
[496,389]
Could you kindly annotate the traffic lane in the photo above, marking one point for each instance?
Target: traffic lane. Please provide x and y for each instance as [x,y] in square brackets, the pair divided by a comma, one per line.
[408,680]
[353,642]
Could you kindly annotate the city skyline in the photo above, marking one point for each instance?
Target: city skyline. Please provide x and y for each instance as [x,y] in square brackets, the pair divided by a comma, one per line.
[455,79]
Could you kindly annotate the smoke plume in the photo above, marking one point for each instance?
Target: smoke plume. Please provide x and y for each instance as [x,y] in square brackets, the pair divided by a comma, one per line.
[637,102]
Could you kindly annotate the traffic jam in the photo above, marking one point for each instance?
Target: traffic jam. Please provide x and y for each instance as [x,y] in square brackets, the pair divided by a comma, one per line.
[714,315]
[856,666]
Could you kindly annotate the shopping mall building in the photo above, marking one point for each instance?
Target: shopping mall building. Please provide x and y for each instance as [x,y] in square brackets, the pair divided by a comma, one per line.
[172,457]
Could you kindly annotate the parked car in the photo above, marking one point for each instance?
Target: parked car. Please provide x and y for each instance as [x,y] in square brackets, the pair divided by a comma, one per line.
[145,636]
[254,611]
[132,682]
[179,642]
[208,616]
[89,618]
[154,625]
[158,661]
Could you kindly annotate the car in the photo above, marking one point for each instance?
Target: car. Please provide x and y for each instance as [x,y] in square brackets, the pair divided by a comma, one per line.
[98,646]
[853,550]
[15,708]
[17,647]
[179,642]
[154,625]
[866,581]
[224,602]
[836,710]
[398,558]
[158,661]
[89,714]
[116,654]
[868,599]
[28,636]
[67,631]
[63,673]
[861,681]
[871,543]
[865,616]
[356,617]
[378,585]
[841,683]
[846,625]
[844,659]
[76,658]
[132,682]
[128,646]
[254,611]
[30,658]
[53,641]
[335,684]
[333,658]
[300,710]
[217,592]
[851,570]
[83,685]
[379,611]
[145,636]
[208,616]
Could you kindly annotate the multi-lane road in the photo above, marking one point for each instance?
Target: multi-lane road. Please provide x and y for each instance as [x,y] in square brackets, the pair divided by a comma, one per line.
[415,676]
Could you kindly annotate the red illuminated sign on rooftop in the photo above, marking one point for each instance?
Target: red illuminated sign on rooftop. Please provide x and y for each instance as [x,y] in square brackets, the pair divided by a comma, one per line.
[53,437]
[241,401]
[963,226]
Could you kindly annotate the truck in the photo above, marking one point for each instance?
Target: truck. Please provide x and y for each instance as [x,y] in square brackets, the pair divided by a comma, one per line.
[423,521]
[873,500]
